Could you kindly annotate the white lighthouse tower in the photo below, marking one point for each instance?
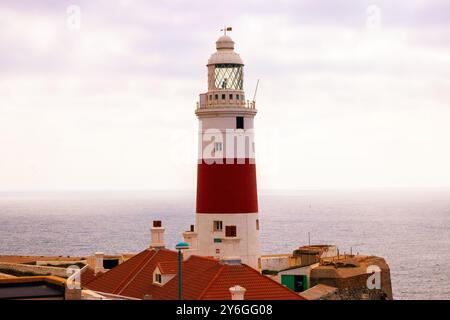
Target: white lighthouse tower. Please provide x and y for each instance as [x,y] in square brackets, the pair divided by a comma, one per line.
[227,224]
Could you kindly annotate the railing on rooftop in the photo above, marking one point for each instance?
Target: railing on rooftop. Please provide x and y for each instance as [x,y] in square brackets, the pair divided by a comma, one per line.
[208,104]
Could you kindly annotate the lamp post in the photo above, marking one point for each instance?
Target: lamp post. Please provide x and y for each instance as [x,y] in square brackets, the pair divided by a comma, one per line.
[180,246]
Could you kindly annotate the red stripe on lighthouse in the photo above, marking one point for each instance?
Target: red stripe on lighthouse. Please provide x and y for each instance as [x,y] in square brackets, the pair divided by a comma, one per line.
[226,188]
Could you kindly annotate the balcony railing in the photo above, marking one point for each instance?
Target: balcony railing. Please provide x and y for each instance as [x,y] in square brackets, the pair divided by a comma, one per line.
[209,104]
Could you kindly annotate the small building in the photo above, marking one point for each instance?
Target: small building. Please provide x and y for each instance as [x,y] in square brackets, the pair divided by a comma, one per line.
[350,275]
[296,278]
[303,256]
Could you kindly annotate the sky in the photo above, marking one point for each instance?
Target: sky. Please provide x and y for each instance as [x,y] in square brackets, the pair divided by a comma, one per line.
[100,95]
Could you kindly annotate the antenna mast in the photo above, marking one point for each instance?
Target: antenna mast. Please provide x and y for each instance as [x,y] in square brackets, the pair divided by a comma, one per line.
[256,89]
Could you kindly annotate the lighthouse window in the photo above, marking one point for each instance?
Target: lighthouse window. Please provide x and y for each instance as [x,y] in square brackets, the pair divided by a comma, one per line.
[216,97]
[217,226]
[231,97]
[230,231]
[223,96]
[237,97]
[228,76]
[239,122]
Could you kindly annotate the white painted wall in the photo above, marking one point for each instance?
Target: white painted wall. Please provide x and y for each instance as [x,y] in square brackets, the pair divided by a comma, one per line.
[275,263]
[247,247]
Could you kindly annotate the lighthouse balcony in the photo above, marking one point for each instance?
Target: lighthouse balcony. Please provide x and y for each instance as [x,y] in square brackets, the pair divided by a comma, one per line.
[224,99]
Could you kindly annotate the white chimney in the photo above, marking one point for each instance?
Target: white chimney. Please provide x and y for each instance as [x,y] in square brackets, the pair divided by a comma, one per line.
[237,292]
[99,262]
[157,235]
[191,237]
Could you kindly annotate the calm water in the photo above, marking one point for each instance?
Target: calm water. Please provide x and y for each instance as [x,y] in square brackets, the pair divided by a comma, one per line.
[410,229]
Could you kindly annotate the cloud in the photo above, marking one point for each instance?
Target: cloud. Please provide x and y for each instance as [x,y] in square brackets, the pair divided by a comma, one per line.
[111,105]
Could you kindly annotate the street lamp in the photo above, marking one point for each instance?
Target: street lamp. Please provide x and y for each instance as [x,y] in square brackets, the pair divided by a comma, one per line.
[180,246]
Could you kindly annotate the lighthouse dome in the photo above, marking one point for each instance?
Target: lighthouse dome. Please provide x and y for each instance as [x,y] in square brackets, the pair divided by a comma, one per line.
[225,42]
[225,52]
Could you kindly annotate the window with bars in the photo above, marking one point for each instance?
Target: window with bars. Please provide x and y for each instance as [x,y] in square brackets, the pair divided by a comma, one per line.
[228,76]
[230,231]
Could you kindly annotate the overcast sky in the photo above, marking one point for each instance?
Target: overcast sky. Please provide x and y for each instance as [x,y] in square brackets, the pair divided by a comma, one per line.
[353,94]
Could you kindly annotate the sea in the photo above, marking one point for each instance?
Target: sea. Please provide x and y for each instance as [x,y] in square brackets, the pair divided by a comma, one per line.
[409,228]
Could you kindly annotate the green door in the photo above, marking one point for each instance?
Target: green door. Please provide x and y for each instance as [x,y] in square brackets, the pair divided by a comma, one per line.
[288,280]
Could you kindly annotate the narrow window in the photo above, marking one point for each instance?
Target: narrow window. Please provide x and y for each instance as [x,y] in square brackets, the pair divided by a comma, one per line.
[223,96]
[210,97]
[230,231]
[231,96]
[216,97]
[218,146]
[257,224]
[239,122]
[237,96]
[217,226]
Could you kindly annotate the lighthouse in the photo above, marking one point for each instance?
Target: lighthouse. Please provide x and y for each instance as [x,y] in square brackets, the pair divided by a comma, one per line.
[227,224]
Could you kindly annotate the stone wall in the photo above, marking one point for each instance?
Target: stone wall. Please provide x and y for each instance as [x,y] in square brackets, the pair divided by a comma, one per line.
[38,270]
[355,288]
[357,294]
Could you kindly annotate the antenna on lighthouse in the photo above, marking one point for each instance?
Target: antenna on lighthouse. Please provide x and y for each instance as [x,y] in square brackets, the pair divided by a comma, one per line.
[256,89]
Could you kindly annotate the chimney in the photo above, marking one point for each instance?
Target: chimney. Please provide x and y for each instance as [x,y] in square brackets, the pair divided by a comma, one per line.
[99,262]
[237,292]
[191,237]
[157,235]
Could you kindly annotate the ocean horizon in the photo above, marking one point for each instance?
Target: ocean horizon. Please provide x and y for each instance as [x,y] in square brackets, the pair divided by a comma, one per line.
[410,228]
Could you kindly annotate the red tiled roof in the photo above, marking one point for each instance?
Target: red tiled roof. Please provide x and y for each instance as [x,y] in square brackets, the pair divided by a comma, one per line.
[168,267]
[87,275]
[204,278]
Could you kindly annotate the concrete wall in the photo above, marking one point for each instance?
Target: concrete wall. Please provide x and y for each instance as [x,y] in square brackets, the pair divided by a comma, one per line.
[38,270]
[248,246]
[275,263]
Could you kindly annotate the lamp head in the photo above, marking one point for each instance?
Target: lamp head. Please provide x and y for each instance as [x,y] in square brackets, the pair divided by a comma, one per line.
[182,246]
